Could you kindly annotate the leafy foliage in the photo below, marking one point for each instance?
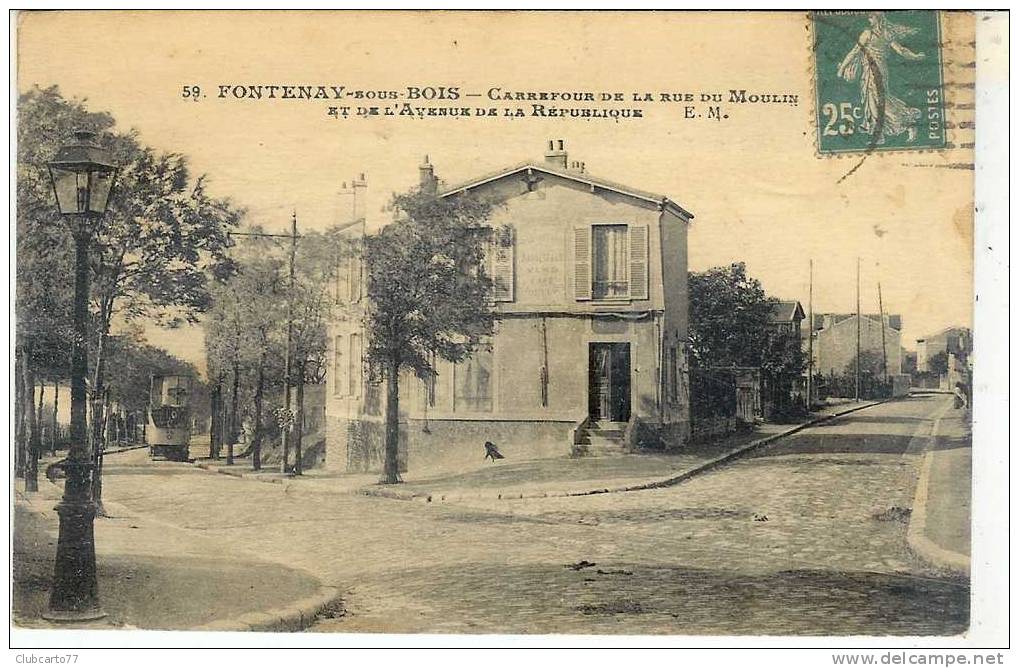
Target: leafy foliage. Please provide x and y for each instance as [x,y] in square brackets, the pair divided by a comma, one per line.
[427,287]
[428,293]
[729,314]
[136,362]
[938,364]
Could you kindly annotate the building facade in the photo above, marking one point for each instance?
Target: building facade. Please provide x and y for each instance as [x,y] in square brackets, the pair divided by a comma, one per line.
[590,290]
[835,341]
[956,341]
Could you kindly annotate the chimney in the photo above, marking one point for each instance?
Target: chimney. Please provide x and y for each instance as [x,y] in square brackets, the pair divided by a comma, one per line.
[556,154]
[359,187]
[428,182]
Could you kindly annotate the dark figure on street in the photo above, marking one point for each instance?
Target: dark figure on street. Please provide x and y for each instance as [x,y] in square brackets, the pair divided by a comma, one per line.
[492,452]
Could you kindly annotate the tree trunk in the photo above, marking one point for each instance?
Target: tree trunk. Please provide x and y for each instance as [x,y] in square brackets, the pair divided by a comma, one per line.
[298,429]
[19,415]
[256,441]
[31,426]
[232,434]
[40,421]
[391,469]
[214,415]
[54,435]
[98,423]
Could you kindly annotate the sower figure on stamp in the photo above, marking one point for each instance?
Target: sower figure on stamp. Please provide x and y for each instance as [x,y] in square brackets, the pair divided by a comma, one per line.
[883,113]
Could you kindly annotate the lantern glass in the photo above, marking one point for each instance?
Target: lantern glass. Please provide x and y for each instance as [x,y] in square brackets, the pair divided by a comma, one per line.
[82,173]
[71,189]
[99,190]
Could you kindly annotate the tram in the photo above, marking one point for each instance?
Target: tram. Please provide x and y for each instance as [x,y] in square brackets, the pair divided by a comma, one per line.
[168,431]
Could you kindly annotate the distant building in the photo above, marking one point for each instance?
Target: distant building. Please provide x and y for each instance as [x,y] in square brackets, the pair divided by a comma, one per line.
[781,395]
[591,291]
[955,340]
[787,316]
[835,341]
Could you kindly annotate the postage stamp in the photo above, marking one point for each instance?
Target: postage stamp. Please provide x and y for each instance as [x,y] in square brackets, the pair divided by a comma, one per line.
[879,81]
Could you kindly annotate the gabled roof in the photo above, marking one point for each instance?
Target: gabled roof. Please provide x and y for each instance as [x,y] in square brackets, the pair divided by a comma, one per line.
[946,331]
[787,312]
[579,177]
[894,320]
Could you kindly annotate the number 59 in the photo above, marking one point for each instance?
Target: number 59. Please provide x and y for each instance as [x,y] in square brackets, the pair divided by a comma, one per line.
[192,92]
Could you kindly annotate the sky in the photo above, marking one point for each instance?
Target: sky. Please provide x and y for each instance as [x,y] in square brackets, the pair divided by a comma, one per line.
[759,191]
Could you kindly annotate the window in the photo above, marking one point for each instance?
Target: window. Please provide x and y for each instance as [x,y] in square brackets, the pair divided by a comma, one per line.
[339,367]
[473,382]
[429,384]
[500,263]
[354,279]
[348,280]
[673,374]
[610,262]
[343,280]
[354,370]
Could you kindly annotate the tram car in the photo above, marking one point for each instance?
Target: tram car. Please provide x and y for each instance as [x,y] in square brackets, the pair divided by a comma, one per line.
[168,432]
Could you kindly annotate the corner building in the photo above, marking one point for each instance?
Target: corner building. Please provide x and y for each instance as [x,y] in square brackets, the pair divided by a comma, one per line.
[589,352]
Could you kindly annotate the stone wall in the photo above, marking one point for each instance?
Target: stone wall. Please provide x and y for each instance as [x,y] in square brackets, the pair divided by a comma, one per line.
[441,446]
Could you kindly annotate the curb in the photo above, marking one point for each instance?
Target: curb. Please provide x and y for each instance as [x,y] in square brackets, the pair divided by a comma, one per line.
[916,535]
[704,467]
[117,451]
[247,475]
[288,619]
[296,616]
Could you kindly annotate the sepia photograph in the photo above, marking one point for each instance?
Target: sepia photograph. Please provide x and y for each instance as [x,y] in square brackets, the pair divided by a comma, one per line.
[343,324]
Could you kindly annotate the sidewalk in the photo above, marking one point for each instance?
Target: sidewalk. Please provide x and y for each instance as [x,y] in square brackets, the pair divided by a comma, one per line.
[155,576]
[596,475]
[939,529]
[311,478]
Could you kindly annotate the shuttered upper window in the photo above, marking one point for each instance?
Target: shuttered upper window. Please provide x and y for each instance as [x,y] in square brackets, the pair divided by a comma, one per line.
[610,262]
[501,263]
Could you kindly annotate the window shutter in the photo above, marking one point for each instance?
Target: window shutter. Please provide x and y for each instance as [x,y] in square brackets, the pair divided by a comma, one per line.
[343,282]
[582,263]
[638,262]
[502,264]
[338,366]
[355,365]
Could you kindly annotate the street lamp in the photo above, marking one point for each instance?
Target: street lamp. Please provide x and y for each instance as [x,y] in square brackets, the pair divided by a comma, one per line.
[82,173]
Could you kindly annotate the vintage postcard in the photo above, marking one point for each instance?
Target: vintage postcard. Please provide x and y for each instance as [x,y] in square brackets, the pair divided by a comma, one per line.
[587,323]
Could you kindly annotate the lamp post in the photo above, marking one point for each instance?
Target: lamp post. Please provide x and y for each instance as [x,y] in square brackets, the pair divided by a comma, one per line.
[82,173]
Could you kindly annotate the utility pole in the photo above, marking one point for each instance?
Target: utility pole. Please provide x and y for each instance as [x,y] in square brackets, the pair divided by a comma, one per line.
[884,348]
[810,338]
[858,316]
[287,366]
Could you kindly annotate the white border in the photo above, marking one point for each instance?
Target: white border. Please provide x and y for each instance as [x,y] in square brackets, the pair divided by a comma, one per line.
[991,585]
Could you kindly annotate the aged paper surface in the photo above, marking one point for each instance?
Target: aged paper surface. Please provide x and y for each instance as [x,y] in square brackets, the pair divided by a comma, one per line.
[638,441]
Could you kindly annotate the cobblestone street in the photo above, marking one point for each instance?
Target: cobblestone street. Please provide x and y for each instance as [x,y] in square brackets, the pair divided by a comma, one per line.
[808,536]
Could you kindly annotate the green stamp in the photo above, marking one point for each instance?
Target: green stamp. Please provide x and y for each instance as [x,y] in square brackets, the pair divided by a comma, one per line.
[879,81]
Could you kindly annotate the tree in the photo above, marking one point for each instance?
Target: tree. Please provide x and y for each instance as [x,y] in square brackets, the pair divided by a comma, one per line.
[428,294]
[45,255]
[871,364]
[318,256]
[938,364]
[782,362]
[152,250]
[729,316]
[243,335]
